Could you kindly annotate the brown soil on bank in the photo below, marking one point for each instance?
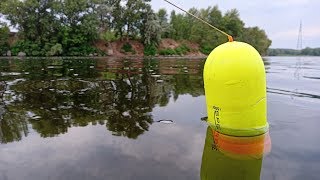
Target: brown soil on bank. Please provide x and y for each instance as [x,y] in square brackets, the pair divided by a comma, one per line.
[13,38]
[170,43]
[115,48]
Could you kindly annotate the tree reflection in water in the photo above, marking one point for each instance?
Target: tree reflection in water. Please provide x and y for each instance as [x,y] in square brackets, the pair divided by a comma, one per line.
[53,95]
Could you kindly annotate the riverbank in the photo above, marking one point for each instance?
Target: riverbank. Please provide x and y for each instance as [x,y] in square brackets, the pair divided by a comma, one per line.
[107,57]
[119,48]
[166,47]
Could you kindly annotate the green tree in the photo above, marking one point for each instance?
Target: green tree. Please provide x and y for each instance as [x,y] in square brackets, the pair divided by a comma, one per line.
[257,38]
[4,37]
[199,31]
[134,15]
[164,24]
[35,19]
[207,37]
[47,26]
[79,26]
[103,10]
[118,22]
[152,30]
[233,25]
[44,23]
[179,23]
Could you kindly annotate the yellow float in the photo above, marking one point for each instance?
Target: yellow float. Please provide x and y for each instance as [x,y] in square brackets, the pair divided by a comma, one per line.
[235,89]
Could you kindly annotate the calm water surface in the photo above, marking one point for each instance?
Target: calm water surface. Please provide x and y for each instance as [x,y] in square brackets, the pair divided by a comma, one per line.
[141,119]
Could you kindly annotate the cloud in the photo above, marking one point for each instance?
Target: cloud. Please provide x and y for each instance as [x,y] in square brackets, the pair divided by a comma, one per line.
[287,3]
[307,32]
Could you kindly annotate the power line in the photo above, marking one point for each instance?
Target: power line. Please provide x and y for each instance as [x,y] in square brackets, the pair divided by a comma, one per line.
[299,43]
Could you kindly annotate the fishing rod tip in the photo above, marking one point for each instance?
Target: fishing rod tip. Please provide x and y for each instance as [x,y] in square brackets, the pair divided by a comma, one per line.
[230,38]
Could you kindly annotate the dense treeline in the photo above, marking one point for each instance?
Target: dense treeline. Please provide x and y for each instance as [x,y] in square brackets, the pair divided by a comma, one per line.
[185,27]
[70,27]
[292,52]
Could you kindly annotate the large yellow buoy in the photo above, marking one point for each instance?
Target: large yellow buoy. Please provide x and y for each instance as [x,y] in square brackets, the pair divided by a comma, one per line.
[235,89]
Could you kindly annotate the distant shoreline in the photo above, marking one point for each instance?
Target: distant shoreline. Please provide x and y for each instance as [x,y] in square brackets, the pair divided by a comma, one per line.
[125,57]
[105,57]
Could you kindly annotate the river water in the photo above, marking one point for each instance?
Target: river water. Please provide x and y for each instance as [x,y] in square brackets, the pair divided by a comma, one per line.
[141,119]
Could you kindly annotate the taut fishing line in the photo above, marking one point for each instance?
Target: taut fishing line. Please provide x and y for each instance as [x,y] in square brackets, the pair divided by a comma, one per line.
[230,38]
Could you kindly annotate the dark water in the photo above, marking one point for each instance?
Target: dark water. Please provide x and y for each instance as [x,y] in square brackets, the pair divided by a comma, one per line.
[112,119]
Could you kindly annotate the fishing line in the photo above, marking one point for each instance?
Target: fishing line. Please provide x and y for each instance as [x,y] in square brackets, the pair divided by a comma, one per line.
[230,38]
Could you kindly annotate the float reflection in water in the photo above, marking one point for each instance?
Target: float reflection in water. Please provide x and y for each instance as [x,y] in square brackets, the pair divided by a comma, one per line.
[228,157]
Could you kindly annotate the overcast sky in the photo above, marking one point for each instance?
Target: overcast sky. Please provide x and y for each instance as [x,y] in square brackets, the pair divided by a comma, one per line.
[279,18]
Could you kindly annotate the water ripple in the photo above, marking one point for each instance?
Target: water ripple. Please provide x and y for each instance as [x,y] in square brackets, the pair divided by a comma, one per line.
[292,93]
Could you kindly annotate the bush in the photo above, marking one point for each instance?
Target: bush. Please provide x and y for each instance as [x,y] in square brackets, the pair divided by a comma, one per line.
[55,50]
[51,49]
[206,49]
[83,50]
[127,47]
[150,50]
[28,47]
[108,36]
[182,49]
[167,51]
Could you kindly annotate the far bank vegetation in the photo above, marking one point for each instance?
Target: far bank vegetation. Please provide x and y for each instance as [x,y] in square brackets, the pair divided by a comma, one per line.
[116,27]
